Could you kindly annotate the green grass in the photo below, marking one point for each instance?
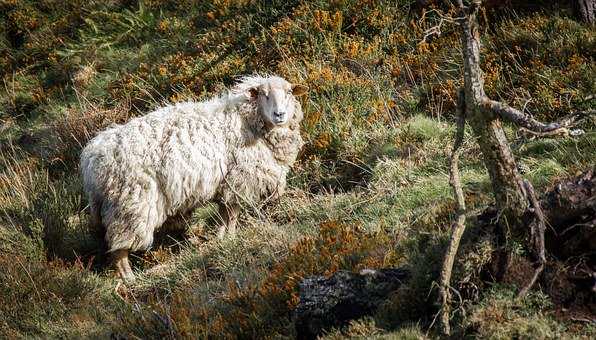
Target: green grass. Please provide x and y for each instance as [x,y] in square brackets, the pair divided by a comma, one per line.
[369,190]
[500,316]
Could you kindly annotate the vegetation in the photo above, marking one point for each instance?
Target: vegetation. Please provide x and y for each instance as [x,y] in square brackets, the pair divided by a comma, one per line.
[370,189]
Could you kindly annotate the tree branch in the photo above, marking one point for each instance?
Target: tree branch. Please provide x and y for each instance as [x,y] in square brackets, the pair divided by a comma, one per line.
[459,224]
[515,116]
[531,126]
[537,230]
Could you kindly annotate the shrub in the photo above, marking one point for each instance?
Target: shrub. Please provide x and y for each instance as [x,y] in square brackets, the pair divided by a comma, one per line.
[263,309]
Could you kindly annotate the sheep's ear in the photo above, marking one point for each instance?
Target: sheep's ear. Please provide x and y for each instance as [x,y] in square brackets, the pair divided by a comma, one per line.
[299,90]
[253,93]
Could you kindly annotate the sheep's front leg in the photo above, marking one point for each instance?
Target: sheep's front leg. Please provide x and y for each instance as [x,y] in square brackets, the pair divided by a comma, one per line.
[229,219]
[122,265]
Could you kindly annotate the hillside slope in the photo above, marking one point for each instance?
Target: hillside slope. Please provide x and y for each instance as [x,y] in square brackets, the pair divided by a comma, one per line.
[370,188]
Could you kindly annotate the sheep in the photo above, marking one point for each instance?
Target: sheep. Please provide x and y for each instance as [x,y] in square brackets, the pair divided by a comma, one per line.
[234,148]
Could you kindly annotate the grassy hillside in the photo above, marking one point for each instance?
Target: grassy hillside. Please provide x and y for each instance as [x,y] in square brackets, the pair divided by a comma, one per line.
[370,188]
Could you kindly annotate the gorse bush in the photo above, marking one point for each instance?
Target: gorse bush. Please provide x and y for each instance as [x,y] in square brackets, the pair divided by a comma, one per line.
[263,309]
[370,188]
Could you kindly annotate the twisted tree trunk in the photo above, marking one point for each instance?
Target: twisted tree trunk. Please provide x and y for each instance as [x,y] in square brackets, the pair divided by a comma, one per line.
[514,198]
[506,182]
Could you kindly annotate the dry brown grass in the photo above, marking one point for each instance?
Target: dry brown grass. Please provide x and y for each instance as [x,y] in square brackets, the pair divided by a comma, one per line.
[70,133]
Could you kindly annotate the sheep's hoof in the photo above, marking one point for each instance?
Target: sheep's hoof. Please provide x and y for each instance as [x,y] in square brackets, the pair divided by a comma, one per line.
[120,260]
[127,278]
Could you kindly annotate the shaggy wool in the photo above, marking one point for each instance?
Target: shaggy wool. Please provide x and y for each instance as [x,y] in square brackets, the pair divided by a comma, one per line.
[181,156]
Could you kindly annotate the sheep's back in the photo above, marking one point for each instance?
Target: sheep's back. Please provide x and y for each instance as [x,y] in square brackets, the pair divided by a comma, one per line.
[183,153]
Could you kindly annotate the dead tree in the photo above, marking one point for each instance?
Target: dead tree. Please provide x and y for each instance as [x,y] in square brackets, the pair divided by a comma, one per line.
[514,197]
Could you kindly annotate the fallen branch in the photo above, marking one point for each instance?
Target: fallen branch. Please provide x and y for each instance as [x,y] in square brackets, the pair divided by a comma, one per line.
[459,224]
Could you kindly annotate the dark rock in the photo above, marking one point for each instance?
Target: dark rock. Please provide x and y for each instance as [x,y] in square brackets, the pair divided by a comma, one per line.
[332,302]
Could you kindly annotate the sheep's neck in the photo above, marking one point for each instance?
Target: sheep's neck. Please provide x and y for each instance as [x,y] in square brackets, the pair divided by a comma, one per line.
[284,144]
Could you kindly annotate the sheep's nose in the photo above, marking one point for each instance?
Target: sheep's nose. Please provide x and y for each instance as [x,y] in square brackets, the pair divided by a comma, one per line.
[279,114]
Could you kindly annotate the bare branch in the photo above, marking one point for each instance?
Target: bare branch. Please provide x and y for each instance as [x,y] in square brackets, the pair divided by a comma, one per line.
[513,115]
[436,29]
[538,227]
[531,126]
[459,224]
[459,138]
[563,132]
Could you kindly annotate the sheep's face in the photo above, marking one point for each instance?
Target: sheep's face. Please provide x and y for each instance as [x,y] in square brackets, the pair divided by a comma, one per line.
[276,101]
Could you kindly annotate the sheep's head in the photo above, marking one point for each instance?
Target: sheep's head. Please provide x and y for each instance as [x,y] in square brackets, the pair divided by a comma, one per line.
[276,102]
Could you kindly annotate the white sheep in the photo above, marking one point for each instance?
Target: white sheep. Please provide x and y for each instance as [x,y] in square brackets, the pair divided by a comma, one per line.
[233,148]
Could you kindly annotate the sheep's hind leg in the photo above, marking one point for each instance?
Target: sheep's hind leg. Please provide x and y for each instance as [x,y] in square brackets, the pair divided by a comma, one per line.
[122,265]
[95,223]
[229,219]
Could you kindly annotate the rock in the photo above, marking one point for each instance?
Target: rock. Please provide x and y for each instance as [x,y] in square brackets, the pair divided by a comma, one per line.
[332,302]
